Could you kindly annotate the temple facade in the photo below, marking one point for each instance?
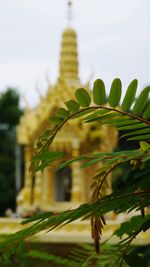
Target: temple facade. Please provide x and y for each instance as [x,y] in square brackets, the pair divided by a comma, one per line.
[69,187]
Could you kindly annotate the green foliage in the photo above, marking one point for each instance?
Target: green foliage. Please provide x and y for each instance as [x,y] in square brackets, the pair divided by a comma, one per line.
[131,192]
[146,114]
[16,257]
[10,113]
[72,106]
[134,260]
[83,97]
[82,255]
[99,94]
[29,255]
[141,101]
[130,95]
[131,228]
[62,113]
[115,93]
[52,258]
[9,107]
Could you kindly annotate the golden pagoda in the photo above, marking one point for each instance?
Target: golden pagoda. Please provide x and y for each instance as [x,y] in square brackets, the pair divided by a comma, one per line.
[70,187]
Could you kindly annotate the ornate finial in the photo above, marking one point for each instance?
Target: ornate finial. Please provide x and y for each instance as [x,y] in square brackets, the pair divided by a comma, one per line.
[69,12]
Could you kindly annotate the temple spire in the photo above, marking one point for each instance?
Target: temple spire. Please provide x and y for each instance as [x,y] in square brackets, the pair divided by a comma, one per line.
[69,12]
[68,68]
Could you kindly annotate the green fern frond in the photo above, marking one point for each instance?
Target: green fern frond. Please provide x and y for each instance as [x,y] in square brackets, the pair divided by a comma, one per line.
[130,116]
[133,121]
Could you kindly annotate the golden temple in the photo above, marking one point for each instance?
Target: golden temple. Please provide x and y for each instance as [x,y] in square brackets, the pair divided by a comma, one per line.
[60,190]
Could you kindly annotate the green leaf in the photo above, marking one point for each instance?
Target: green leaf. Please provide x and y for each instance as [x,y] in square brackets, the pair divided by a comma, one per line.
[104,118]
[96,113]
[82,97]
[141,137]
[42,166]
[90,163]
[130,227]
[146,114]
[145,226]
[49,155]
[124,122]
[69,162]
[130,95]
[38,217]
[141,101]
[144,145]
[115,93]
[62,113]
[83,112]
[132,127]
[72,105]
[134,260]
[138,132]
[99,94]
[55,120]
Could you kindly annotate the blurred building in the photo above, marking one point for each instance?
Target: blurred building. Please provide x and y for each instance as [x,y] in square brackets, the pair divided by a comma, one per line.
[69,187]
[63,189]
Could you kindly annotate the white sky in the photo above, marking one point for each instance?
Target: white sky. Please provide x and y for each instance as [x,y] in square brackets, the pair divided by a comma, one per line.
[113,41]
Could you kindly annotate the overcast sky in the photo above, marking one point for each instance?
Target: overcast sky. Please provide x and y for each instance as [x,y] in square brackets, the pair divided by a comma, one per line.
[113,41]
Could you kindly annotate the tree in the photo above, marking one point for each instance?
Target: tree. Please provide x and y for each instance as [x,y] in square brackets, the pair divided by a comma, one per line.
[131,192]
[10,113]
